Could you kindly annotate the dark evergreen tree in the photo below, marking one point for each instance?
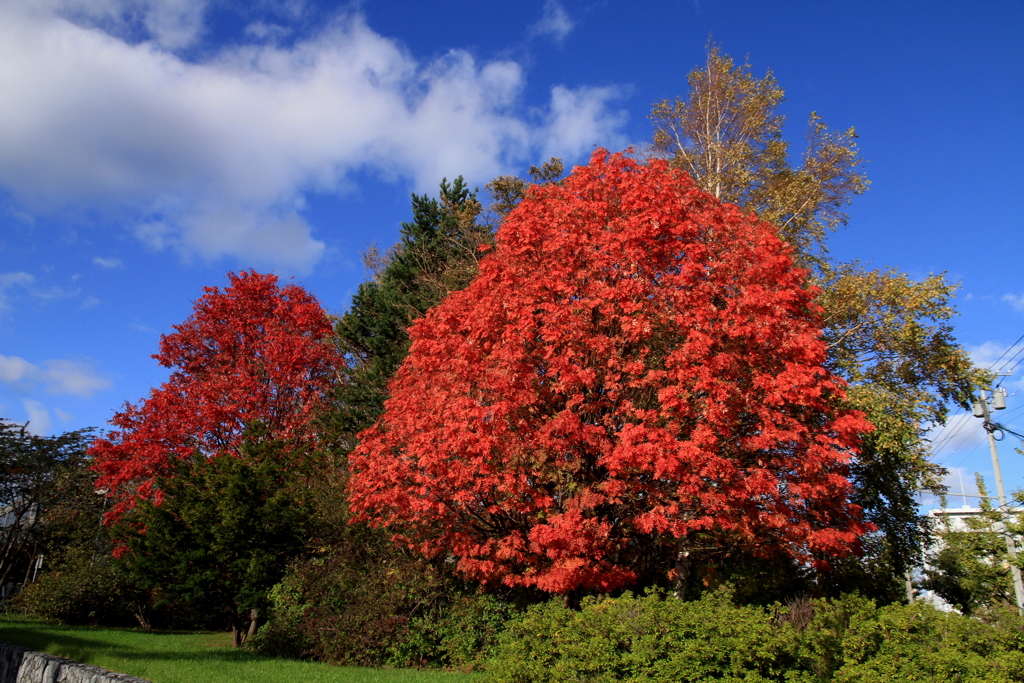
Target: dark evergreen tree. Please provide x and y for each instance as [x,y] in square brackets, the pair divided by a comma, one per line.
[354,598]
[438,253]
[225,531]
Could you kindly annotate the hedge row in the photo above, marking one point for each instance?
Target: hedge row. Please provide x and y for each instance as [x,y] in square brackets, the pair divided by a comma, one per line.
[654,639]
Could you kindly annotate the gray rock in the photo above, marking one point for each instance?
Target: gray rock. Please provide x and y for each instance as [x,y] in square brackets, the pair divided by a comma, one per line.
[21,665]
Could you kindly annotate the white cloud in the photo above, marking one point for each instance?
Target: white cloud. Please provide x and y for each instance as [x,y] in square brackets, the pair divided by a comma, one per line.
[39,422]
[9,281]
[54,292]
[998,357]
[960,481]
[555,22]
[171,24]
[73,377]
[108,263]
[1015,300]
[262,30]
[14,370]
[27,283]
[213,158]
[580,119]
[988,353]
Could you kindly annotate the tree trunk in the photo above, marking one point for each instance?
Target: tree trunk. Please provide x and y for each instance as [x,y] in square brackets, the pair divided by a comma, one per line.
[28,572]
[139,612]
[682,571]
[244,629]
[254,618]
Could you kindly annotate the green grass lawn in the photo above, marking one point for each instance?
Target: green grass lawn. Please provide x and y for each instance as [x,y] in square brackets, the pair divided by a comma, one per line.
[179,657]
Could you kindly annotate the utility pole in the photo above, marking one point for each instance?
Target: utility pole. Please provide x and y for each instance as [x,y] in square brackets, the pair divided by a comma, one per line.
[981,409]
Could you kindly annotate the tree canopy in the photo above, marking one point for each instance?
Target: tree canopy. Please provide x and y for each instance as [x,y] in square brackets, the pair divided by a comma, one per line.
[727,134]
[35,472]
[437,253]
[253,352]
[636,373]
[888,335]
[225,531]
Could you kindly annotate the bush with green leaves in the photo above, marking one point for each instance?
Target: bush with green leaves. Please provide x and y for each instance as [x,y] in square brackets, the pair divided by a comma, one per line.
[83,589]
[461,633]
[654,639]
[352,604]
[367,603]
[647,638]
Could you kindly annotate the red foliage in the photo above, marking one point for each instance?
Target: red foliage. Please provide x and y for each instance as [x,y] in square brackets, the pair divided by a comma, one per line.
[636,370]
[253,352]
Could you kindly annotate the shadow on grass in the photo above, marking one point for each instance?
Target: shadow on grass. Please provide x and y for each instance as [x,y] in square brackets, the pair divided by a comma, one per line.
[74,643]
[187,656]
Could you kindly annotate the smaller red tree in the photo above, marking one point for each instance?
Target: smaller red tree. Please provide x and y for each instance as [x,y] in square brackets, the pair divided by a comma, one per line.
[635,374]
[252,353]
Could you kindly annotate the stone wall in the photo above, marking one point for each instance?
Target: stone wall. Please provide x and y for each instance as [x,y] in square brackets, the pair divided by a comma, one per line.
[21,665]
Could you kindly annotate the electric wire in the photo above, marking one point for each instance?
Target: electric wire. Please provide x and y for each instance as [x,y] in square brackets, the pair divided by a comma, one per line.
[964,458]
[1019,340]
[941,439]
[939,442]
[953,428]
[1010,371]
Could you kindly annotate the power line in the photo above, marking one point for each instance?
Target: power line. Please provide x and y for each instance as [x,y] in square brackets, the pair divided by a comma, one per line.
[969,454]
[940,442]
[942,438]
[1010,371]
[1019,340]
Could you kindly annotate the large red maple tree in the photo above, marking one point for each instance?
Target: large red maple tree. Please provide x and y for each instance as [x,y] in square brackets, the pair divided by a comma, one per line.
[254,352]
[636,372]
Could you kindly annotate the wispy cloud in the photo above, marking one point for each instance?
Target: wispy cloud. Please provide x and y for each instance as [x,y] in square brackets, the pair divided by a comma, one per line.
[169,24]
[39,421]
[961,487]
[214,157]
[108,263]
[1000,357]
[28,285]
[961,434]
[554,22]
[1015,300]
[73,377]
[9,281]
[578,118]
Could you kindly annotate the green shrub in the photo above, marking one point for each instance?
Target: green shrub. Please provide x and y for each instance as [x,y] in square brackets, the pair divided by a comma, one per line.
[83,589]
[462,633]
[854,641]
[346,609]
[379,607]
[646,638]
[656,639]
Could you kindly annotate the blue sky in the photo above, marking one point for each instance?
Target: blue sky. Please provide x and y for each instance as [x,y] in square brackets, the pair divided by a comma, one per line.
[147,147]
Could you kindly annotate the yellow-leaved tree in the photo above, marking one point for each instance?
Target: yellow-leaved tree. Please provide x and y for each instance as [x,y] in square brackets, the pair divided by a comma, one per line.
[888,334]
